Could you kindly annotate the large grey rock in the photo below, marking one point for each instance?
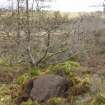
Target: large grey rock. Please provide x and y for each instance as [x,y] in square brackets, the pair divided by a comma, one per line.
[48,86]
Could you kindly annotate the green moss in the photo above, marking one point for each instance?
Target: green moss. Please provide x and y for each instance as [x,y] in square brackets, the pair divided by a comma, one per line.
[22,79]
[28,75]
[34,72]
[30,102]
[56,101]
[66,67]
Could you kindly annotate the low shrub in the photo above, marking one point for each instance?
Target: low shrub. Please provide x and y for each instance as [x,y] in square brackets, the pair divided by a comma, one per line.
[65,68]
[22,79]
[99,99]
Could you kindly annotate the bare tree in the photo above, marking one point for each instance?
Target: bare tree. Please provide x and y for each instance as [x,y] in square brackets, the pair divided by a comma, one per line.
[26,38]
[104,6]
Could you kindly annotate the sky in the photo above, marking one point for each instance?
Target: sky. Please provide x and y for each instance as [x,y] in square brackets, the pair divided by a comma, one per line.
[78,5]
[70,5]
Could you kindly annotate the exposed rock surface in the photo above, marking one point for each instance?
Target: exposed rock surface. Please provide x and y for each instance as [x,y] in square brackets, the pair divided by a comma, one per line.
[48,86]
